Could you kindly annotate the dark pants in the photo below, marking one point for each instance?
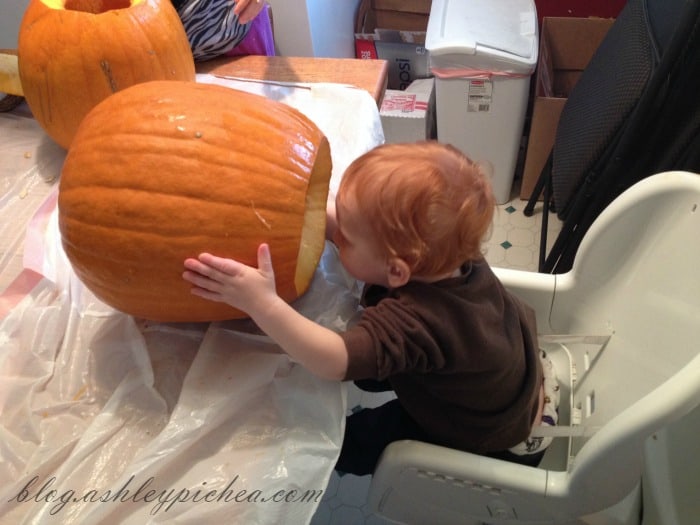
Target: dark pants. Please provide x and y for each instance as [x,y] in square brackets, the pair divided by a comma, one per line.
[370,430]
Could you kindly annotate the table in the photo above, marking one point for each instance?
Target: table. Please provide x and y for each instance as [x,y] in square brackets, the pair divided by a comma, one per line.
[132,419]
[370,75]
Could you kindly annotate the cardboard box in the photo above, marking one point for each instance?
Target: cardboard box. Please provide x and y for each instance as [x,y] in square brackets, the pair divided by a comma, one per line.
[409,115]
[409,6]
[566,46]
[394,31]
[403,15]
[403,50]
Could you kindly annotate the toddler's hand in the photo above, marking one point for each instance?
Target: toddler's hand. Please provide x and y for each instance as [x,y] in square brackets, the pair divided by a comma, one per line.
[225,280]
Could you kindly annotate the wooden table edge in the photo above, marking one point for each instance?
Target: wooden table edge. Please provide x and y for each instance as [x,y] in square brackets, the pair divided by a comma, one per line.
[370,75]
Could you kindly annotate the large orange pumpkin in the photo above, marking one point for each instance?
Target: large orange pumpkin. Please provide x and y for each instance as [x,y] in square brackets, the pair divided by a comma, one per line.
[164,170]
[75,53]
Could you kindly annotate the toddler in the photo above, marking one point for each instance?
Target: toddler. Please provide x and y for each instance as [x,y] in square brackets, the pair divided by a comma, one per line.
[438,328]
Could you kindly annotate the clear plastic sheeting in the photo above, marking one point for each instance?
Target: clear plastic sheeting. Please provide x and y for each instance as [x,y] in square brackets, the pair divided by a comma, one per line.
[106,418]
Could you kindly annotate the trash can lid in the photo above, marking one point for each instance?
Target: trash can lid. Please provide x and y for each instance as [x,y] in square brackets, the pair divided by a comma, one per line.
[460,30]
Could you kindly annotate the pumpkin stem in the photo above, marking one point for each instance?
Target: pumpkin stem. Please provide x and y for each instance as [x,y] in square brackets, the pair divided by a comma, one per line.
[96,6]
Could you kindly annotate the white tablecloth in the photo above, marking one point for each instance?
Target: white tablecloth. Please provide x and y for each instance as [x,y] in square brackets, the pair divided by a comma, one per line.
[105,418]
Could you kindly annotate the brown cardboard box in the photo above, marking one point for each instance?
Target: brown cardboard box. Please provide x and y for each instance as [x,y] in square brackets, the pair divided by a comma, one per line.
[404,51]
[566,46]
[406,15]
[394,30]
[411,6]
[402,15]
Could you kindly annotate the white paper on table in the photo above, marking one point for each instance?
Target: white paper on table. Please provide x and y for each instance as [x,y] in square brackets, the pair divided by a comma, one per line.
[332,107]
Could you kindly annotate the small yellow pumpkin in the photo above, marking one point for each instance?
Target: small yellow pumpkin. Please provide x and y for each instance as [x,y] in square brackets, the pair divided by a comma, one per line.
[75,53]
[165,170]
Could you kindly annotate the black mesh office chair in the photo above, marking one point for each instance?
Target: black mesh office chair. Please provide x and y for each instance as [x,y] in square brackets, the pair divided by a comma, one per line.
[635,111]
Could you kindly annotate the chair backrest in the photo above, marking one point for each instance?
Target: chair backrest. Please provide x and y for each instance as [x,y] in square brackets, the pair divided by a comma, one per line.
[634,112]
[634,279]
[620,89]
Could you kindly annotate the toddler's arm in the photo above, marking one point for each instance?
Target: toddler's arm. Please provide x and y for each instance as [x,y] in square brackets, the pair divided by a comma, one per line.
[252,290]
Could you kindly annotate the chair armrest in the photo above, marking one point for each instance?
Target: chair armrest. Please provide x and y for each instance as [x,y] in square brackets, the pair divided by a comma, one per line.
[536,289]
[417,482]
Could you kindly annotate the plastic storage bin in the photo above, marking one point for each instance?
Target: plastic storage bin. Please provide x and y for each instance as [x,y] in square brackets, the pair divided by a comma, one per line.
[482,54]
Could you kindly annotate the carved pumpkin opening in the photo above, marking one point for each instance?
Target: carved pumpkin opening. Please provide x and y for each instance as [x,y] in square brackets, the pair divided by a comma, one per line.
[92,6]
[313,235]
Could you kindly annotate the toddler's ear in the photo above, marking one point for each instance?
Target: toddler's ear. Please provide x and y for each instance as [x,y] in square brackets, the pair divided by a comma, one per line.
[398,272]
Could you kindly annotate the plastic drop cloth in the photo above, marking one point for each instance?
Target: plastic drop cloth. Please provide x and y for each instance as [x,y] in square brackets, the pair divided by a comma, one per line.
[105,418]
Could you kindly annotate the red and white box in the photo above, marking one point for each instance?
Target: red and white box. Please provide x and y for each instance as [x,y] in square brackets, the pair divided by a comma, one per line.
[409,115]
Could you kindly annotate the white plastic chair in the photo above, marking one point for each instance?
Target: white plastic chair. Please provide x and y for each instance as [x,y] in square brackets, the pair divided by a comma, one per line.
[634,291]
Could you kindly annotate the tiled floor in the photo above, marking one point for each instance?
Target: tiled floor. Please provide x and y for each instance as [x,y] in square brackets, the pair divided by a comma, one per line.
[514,243]
[515,238]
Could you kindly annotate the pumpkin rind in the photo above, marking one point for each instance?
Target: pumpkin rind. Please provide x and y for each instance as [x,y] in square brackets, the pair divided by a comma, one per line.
[165,170]
[70,60]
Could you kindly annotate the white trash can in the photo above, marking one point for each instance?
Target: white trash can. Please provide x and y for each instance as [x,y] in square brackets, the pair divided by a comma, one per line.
[482,54]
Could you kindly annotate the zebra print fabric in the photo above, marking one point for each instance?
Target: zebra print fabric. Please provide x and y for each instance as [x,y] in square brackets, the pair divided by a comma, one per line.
[211,26]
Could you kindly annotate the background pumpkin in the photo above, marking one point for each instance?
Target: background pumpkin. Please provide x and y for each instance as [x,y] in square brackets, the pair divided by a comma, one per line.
[164,170]
[75,53]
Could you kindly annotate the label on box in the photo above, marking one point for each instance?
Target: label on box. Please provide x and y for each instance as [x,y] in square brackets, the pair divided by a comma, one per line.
[479,96]
[403,103]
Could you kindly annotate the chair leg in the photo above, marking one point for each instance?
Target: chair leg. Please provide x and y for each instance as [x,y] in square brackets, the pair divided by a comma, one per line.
[545,224]
[545,175]
[568,237]
[544,183]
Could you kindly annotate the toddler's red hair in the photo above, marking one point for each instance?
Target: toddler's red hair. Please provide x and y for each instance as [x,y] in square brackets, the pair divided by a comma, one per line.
[425,202]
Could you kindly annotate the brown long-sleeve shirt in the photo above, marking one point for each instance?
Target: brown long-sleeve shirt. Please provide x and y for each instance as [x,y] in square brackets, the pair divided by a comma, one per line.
[461,355]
